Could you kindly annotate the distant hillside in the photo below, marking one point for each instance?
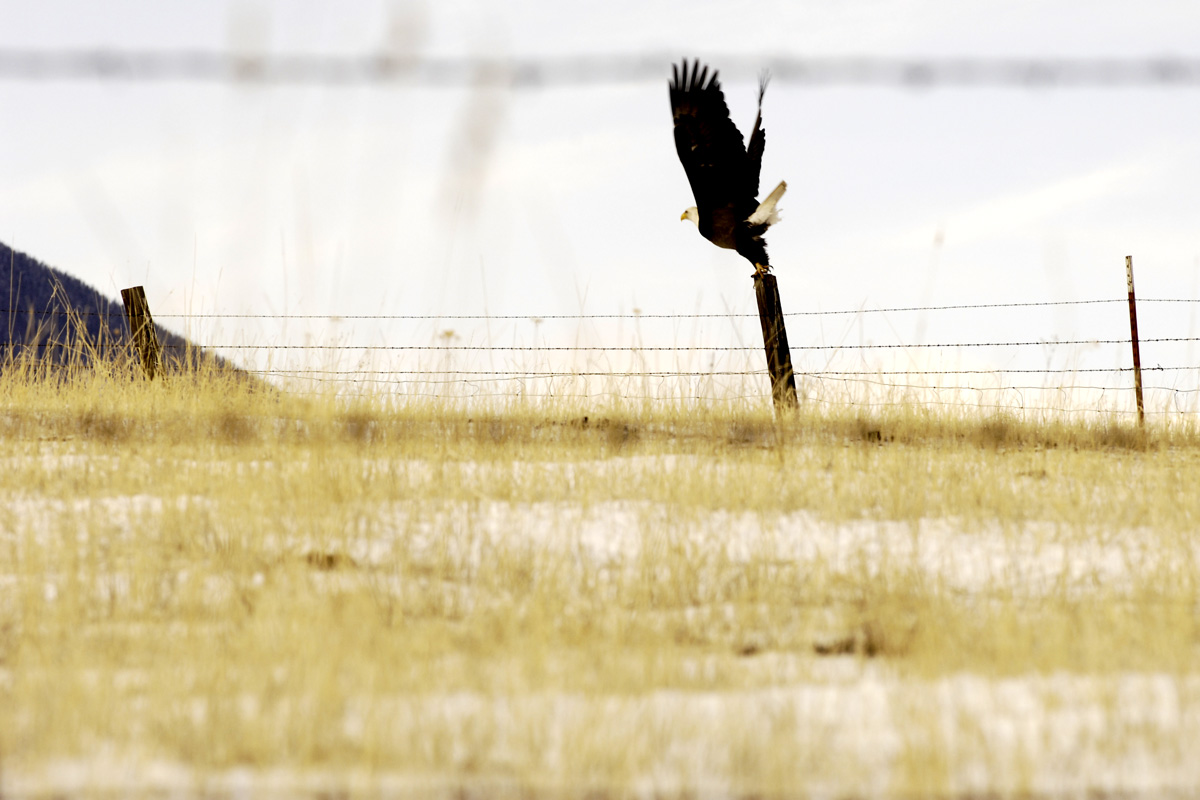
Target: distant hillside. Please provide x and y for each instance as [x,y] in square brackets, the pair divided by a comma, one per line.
[46,313]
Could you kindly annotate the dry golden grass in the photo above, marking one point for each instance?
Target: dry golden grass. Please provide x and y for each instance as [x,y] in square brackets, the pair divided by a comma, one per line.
[370,596]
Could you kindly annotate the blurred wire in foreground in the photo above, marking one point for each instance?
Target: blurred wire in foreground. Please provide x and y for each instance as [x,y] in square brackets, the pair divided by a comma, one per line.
[861,311]
[526,73]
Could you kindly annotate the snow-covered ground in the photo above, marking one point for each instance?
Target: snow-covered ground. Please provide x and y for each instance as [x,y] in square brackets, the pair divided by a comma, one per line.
[1061,735]
[858,723]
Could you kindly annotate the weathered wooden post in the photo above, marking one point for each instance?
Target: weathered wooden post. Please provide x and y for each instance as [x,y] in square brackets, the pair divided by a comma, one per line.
[141,328]
[1137,357]
[779,357]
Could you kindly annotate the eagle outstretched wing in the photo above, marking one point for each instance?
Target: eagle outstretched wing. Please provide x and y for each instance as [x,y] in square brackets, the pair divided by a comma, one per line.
[758,137]
[709,144]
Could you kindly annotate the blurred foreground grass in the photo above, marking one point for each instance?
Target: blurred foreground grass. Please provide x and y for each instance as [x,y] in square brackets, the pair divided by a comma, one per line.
[375,595]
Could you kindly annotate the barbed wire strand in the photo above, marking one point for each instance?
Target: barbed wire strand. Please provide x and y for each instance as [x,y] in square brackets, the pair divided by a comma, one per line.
[473,373]
[498,377]
[119,316]
[634,349]
[630,349]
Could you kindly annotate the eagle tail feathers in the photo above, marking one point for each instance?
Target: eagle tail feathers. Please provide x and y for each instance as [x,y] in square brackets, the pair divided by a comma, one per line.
[766,213]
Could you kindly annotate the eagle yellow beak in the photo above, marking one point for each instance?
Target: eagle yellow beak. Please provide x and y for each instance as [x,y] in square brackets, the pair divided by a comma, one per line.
[683,216]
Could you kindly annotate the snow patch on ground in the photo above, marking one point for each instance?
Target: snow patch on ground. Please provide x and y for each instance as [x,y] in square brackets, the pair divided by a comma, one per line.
[1059,735]
[1031,560]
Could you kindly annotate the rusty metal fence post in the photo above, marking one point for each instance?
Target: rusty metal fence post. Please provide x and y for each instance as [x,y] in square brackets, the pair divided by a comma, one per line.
[1137,357]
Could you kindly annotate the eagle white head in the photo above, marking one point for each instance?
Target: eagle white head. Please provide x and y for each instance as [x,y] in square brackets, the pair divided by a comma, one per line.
[693,214]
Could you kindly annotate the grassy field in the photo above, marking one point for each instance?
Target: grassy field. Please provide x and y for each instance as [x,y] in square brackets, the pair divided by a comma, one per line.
[211,590]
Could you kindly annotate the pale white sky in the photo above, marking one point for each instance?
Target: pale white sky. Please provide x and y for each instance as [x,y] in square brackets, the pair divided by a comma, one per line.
[375,200]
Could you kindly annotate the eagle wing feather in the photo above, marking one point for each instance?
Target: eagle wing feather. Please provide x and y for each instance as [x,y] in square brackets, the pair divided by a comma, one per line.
[758,140]
[710,146]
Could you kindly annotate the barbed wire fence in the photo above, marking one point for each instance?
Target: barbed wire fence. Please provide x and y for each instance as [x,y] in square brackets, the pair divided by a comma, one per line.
[946,374]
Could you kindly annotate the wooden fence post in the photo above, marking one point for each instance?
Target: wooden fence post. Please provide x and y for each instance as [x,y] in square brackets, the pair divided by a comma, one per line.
[141,328]
[779,357]
[1137,357]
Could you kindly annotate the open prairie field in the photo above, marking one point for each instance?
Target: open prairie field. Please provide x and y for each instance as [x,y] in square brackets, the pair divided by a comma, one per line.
[211,591]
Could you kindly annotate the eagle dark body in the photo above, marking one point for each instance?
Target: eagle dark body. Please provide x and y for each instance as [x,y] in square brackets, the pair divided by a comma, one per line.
[722,171]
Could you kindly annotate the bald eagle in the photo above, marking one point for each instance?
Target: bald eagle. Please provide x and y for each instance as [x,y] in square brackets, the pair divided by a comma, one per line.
[722,170]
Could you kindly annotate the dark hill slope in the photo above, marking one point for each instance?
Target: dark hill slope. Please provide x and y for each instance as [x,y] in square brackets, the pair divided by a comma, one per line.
[50,315]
